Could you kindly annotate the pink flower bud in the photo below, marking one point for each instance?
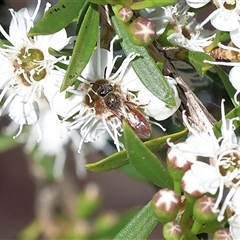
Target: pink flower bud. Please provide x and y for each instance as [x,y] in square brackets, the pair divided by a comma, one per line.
[142,31]
[125,14]
[202,210]
[222,234]
[166,204]
[191,186]
[172,230]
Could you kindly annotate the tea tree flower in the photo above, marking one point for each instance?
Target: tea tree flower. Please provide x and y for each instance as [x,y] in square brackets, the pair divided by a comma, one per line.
[179,25]
[226,16]
[54,144]
[105,97]
[27,67]
[222,171]
[234,226]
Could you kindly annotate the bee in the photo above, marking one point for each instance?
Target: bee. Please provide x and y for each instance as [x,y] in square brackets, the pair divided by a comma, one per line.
[123,109]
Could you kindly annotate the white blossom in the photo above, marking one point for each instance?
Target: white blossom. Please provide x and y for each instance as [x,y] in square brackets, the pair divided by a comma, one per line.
[187,32]
[105,97]
[226,16]
[27,67]
[222,170]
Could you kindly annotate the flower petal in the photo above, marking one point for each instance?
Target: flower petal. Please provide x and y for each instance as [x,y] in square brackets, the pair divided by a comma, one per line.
[23,113]
[207,176]
[19,26]
[225,20]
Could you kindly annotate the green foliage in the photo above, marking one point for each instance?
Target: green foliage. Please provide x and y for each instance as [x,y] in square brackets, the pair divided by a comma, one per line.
[57,17]
[144,66]
[145,161]
[85,43]
[197,60]
[120,159]
[140,226]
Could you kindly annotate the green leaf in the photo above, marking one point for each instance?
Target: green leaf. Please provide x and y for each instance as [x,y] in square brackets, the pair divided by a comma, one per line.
[197,58]
[82,52]
[101,2]
[225,80]
[57,17]
[140,226]
[145,67]
[153,3]
[120,159]
[7,143]
[220,36]
[109,233]
[144,160]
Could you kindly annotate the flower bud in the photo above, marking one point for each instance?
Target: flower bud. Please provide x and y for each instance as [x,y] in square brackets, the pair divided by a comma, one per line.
[125,14]
[172,231]
[166,204]
[179,159]
[222,234]
[191,186]
[142,31]
[202,210]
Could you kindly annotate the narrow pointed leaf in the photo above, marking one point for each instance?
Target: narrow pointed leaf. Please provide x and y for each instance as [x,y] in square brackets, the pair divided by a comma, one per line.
[149,4]
[225,80]
[197,60]
[120,159]
[57,17]
[86,41]
[144,160]
[145,67]
[140,226]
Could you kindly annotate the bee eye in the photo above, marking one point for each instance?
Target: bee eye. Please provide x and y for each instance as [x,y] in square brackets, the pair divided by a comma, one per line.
[112,101]
[104,89]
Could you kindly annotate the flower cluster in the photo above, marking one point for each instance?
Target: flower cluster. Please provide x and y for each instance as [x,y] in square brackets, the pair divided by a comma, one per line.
[31,79]
[108,88]
[211,165]
[180,25]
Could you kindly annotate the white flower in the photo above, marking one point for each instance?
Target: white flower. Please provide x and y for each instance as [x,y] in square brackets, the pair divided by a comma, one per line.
[197,3]
[191,186]
[223,169]
[226,16]
[187,32]
[54,143]
[26,68]
[234,226]
[105,98]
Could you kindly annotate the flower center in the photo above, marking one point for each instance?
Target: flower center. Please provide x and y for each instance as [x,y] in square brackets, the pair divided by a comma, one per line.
[230,4]
[230,166]
[28,65]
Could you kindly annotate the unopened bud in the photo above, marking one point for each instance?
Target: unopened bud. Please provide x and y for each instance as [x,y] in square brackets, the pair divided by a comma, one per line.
[179,159]
[202,210]
[222,234]
[166,205]
[191,186]
[125,14]
[142,31]
[172,231]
